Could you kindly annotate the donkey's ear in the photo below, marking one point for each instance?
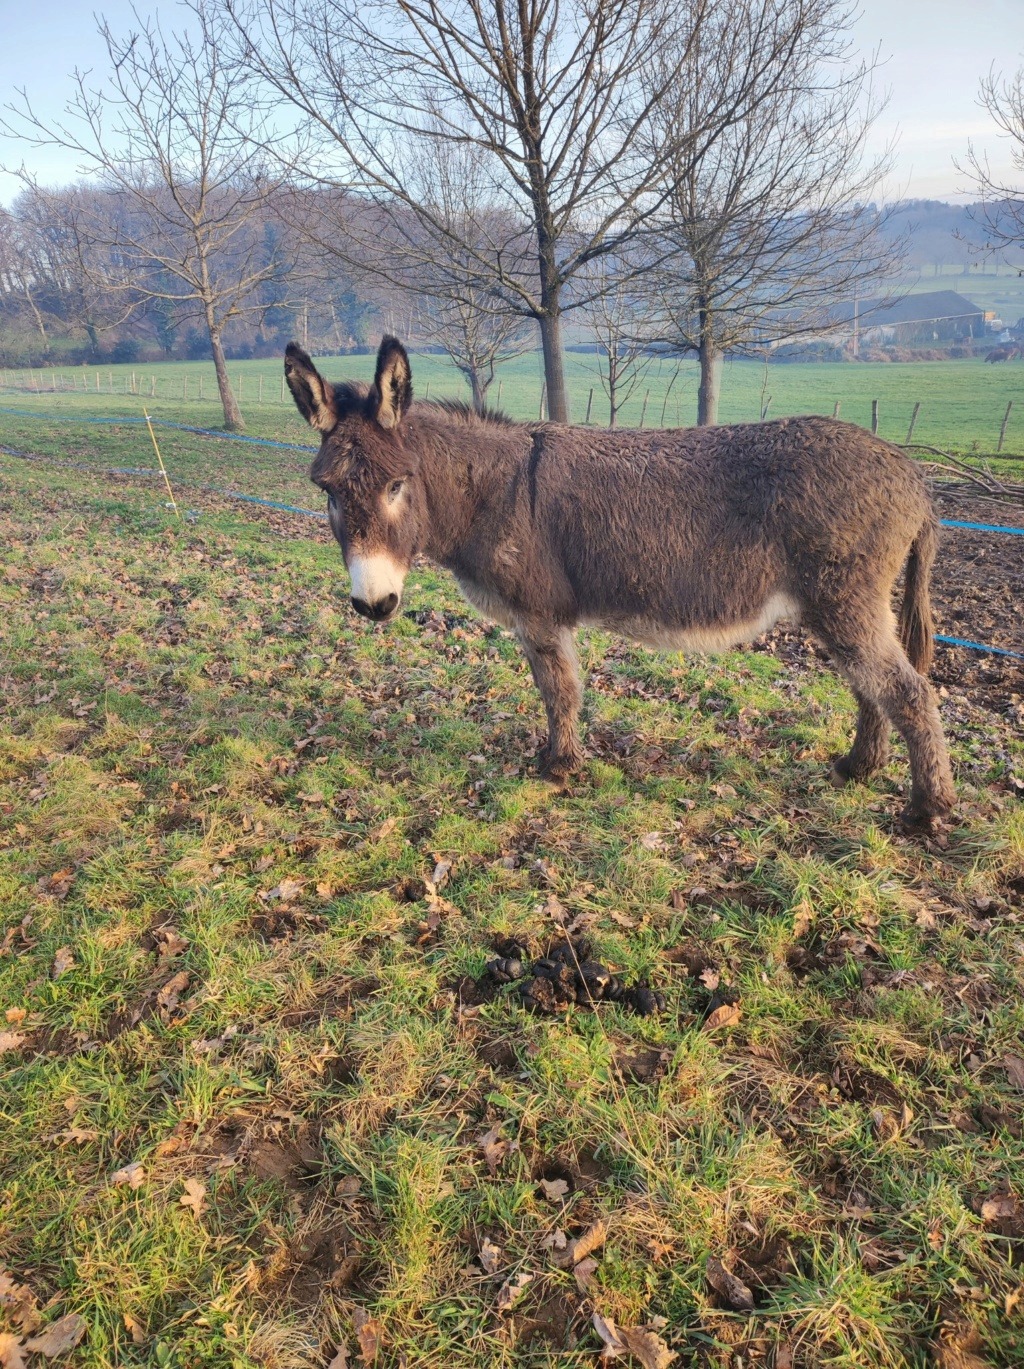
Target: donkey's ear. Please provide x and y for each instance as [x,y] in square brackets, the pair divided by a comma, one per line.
[393,383]
[312,394]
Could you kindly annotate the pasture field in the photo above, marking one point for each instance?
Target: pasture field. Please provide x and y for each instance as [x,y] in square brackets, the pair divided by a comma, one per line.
[962,402]
[261,1106]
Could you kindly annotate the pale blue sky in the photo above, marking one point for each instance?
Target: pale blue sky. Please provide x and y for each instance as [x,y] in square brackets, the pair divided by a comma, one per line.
[934,51]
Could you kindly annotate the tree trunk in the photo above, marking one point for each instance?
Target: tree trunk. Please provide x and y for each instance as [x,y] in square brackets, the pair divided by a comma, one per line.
[478,385]
[613,389]
[233,421]
[710,382]
[554,369]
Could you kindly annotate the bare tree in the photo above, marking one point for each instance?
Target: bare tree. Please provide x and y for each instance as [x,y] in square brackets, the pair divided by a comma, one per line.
[62,275]
[619,318]
[554,96]
[173,137]
[767,225]
[1002,206]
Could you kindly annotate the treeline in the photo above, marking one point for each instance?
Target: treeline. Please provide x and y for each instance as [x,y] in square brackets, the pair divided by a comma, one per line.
[663,177]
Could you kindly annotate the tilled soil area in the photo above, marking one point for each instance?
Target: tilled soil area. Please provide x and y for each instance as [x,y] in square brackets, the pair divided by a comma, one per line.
[978,592]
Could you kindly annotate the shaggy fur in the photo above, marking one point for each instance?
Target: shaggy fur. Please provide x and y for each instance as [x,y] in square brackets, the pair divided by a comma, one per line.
[695,538]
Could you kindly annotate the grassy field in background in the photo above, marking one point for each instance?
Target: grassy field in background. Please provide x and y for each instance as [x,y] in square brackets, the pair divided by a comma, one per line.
[250,1115]
[962,402]
[1002,289]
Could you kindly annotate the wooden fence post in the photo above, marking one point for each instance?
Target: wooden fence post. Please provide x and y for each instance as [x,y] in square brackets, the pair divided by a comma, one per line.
[874,415]
[913,420]
[260,399]
[1002,430]
[643,411]
[184,386]
[497,402]
[835,411]
[200,384]
[543,399]
[590,401]
[282,389]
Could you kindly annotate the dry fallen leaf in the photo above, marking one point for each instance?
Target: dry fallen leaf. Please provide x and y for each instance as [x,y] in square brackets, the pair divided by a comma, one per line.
[10,1041]
[368,1333]
[1014,1067]
[643,1344]
[57,1339]
[583,1273]
[493,1147]
[511,1290]
[785,1357]
[19,1302]
[170,942]
[623,920]
[710,978]
[80,1136]
[15,1015]
[555,1190]
[167,997]
[725,1015]
[489,1256]
[134,1329]
[194,1196]
[442,872]
[340,1360]
[734,1291]
[10,1352]
[63,961]
[803,916]
[133,1174]
[554,1240]
[592,1239]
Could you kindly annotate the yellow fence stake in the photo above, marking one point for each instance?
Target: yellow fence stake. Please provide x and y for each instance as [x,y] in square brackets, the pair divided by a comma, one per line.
[163,468]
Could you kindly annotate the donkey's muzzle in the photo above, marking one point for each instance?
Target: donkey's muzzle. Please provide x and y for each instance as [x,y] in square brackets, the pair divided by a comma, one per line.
[379,609]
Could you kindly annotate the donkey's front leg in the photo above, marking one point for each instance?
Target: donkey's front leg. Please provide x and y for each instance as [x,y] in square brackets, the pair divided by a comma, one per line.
[556,671]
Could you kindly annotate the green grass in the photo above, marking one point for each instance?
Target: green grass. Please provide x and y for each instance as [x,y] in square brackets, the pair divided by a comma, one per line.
[217,792]
[962,402]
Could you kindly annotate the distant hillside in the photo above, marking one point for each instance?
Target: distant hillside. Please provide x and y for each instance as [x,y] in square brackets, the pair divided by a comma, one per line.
[941,236]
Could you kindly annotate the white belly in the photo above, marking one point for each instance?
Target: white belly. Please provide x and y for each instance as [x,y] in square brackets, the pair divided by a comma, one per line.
[712,637]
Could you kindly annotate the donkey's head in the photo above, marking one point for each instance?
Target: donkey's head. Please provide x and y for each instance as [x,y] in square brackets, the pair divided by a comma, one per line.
[375,498]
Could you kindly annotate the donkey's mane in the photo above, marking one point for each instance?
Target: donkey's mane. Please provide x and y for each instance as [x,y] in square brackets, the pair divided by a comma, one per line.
[458,408]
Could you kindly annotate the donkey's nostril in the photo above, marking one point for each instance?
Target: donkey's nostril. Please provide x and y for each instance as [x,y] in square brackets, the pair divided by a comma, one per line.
[383,608]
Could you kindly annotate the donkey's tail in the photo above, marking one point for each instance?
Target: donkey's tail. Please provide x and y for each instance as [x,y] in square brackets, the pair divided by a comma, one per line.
[916,623]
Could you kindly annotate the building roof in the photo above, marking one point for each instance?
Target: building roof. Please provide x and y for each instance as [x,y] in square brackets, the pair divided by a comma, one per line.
[922,308]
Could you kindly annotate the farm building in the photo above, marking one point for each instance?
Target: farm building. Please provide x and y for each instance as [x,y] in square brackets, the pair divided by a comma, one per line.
[935,316]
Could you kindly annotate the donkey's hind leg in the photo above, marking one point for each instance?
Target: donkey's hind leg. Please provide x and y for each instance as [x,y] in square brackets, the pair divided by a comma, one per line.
[551,653]
[880,673]
[870,750]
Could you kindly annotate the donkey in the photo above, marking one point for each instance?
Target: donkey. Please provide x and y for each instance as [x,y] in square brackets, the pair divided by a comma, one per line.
[685,539]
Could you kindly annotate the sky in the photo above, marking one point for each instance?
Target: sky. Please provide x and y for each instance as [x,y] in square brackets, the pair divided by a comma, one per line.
[933,54]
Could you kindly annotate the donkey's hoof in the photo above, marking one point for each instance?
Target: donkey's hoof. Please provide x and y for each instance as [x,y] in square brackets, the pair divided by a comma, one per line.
[846,771]
[558,768]
[924,822]
[841,773]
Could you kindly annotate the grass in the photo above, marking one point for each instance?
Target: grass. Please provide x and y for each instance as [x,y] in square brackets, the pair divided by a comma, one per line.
[962,402]
[219,798]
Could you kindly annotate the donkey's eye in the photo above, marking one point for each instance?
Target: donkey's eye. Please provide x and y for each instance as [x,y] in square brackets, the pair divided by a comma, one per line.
[394,490]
